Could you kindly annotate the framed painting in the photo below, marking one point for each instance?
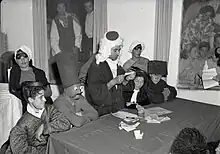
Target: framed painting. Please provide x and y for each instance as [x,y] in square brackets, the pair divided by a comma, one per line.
[199,63]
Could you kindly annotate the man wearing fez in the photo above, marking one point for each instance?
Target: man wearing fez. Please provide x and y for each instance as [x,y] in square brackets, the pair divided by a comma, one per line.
[71,103]
[105,76]
[157,89]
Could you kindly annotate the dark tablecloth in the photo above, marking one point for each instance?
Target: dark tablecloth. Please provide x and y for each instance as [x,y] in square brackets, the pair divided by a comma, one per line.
[104,137]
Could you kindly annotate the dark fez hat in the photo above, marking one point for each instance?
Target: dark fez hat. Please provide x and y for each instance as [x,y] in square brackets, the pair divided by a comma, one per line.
[67,64]
[157,67]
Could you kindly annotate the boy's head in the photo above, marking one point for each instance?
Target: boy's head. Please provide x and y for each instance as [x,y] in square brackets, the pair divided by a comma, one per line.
[155,78]
[157,69]
[61,7]
[140,78]
[88,4]
[33,93]
[189,141]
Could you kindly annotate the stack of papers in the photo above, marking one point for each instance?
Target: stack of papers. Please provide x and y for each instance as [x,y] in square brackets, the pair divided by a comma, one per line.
[127,127]
[207,78]
[152,115]
[157,111]
[156,119]
[124,115]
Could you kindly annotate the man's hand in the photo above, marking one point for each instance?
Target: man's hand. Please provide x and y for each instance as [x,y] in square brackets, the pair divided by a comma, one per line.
[166,93]
[119,79]
[39,132]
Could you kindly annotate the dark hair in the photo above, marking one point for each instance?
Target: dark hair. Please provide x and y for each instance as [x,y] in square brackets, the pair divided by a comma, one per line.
[217,55]
[189,141]
[31,89]
[139,73]
[204,44]
[206,9]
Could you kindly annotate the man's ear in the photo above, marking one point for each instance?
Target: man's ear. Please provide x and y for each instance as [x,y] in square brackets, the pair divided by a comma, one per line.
[30,99]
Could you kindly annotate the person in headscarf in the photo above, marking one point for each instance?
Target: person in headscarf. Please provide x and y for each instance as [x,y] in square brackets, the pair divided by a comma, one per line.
[22,71]
[136,60]
[72,103]
[31,133]
[105,76]
[158,90]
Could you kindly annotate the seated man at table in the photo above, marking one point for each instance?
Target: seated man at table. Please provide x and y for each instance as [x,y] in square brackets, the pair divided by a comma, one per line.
[105,76]
[71,103]
[157,89]
[30,135]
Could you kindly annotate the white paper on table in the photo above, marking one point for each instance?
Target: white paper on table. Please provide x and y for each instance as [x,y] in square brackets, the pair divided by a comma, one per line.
[156,119]
[127,127]
[123,115]
[157,110]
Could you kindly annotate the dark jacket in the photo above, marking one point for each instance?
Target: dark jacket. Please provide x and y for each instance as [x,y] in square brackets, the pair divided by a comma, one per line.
[142,98]
[14,82]
[99,96]
[155,91]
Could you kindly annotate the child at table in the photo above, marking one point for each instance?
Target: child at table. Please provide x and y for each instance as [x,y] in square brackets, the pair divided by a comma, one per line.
[158,90]
[30,135]
[134,92]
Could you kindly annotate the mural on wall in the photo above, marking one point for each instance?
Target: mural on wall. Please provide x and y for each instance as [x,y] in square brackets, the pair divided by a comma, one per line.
[199,63]
[70,29]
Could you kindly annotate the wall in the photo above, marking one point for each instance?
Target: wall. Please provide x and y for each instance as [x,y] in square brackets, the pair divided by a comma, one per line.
[210,97]
[17,22]
[134,20]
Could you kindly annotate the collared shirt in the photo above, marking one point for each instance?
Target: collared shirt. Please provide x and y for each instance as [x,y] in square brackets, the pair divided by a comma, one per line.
[89,24]
[54,36]
[134,95]
[34,112]
[113,66]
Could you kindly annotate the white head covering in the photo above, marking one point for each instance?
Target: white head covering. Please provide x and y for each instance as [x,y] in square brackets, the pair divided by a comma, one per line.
[106,45]
[134,44]
[26,50]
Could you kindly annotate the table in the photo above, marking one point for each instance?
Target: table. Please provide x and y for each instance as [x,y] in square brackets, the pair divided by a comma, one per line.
[104,137]
[10,112]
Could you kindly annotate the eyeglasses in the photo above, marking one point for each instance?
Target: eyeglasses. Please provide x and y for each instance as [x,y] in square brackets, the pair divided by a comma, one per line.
[18,56]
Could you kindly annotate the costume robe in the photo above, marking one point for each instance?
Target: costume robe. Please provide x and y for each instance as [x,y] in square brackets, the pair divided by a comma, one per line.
[104,100]
[22,136]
